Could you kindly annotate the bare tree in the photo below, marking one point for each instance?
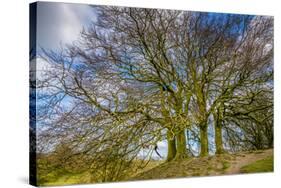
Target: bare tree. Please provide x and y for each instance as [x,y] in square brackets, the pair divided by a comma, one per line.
[140,76]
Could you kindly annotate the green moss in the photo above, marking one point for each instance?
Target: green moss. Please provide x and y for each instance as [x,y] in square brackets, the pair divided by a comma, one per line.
[181,146]
[171,148]
[264,165]
[225,165]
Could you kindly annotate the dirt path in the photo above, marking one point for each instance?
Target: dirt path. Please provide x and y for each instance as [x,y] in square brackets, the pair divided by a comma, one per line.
[243,159]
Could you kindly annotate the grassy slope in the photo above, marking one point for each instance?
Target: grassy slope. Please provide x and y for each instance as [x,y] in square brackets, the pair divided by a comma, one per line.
[250,162]
[188,167]
[53,179]
[264,165]
[68,179]
[247,162]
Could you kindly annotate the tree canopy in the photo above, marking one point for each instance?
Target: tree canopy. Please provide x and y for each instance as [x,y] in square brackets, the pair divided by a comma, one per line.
[137,77]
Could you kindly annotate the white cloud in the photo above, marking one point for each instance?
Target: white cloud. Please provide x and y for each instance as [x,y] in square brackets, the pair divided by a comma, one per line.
[61,23]
[42,66]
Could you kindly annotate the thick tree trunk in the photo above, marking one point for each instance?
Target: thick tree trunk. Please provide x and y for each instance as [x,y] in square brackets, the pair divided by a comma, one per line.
[181,145]
[171,147]
[218,137]
[218,130]
[204,140]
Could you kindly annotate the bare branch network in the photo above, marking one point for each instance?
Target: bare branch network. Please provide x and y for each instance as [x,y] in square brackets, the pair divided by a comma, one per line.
[138,77]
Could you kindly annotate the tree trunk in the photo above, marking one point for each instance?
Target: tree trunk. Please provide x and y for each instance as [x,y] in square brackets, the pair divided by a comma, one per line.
[218,130]
[171,147]
[181,145]
[204,140]
[218,137]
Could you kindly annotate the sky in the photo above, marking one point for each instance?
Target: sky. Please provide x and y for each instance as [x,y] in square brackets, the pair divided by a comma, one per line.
[61,23]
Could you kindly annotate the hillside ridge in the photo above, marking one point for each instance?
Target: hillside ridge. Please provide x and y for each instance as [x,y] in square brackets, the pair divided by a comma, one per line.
[222,164]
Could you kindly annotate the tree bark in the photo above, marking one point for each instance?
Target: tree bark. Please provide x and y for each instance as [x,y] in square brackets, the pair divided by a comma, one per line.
[218,130]
[204,140]
[218,137]
[171,147]
[181,145]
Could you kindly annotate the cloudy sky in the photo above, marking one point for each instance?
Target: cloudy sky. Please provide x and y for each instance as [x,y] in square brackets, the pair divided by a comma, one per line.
[61,22]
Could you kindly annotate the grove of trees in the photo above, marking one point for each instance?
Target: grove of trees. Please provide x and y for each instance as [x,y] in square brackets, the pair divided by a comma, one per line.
[137,77]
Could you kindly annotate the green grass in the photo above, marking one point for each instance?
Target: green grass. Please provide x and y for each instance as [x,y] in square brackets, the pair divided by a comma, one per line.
[264,165]
[61,177]
[159,170]
[68,179]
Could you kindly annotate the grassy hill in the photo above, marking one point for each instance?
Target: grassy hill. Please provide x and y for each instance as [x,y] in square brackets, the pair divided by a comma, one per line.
[245,162]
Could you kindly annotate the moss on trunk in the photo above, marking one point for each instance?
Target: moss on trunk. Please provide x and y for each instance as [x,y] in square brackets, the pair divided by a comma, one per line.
[204,140]
[218,137]
[218,116]
[171,147]
[181,145]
